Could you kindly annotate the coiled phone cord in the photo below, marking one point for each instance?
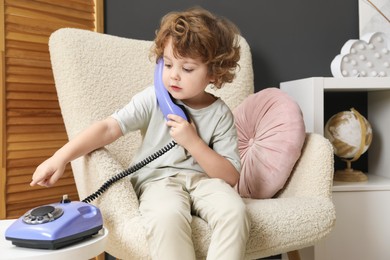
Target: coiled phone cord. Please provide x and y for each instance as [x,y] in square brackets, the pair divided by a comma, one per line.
[129,171]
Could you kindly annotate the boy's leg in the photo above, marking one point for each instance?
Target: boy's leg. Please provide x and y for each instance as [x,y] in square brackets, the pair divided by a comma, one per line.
[166,212]
[219,204]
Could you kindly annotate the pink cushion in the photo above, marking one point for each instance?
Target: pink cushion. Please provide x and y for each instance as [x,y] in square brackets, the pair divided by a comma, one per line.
[271,133]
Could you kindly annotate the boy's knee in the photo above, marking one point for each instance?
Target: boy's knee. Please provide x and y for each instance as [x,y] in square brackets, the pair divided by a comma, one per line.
[169,215]
[240,213]
[233,212]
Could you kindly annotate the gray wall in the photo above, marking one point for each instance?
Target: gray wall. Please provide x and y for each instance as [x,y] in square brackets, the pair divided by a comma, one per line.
[289,39]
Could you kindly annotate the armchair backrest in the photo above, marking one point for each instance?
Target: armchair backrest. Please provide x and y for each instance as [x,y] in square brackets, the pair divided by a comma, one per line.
[95,74]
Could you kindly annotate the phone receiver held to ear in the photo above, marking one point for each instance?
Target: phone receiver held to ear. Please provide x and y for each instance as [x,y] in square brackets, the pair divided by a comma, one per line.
[164,99]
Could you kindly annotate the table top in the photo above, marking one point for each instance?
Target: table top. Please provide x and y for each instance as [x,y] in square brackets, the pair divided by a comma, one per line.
[86,249]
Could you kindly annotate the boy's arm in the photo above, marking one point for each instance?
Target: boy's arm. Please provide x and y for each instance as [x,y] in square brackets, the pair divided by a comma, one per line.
[215,165]
[97,135]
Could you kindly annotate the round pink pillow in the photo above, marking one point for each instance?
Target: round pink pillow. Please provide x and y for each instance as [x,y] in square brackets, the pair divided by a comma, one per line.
[271,133]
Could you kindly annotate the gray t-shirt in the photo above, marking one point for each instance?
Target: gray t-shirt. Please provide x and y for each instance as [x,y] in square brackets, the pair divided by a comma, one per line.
[215,125]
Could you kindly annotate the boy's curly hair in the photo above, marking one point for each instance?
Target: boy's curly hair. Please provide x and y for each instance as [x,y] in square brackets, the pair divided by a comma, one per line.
[197,33]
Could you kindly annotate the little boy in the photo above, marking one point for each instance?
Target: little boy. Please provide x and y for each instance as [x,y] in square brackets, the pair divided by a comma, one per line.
[196,177]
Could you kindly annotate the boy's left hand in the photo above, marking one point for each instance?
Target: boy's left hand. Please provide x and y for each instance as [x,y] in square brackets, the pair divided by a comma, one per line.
[183,132]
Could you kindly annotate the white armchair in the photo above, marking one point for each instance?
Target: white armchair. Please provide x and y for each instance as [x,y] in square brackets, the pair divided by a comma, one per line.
[96,74]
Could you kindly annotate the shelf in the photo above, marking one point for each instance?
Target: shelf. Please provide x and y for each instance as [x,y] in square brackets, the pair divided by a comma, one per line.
[356,84]
[374,183]
[309,94]
[345,84]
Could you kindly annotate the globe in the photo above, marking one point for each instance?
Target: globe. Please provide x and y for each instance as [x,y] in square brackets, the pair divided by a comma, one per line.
[350,134]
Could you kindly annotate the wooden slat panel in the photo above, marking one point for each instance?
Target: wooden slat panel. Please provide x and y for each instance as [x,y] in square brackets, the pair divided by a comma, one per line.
[16,209]
[23,206]
[31,104]
[73,22]
[33,123]
[36,200]
[43,72]
[25,62]
[16,188]
[27,30]
[31,96]
[40,24]
[99,16]
[34,112]
[21,179]
[66,181]
[85,6]
[3,127]
[28,146]
[24,37]
[28,87]
[32,153]
[22,171]
[84,2]
[34,137]
[26,162]
[21,196]
[27,79]
[50,9]
[43,48]
[27,54]
[26,25]
[36,128]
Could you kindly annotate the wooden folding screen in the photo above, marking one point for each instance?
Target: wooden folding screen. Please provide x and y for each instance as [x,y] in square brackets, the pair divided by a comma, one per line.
[32,128]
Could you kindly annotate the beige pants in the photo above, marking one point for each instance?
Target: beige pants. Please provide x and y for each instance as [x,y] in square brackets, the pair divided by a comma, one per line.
[166,206]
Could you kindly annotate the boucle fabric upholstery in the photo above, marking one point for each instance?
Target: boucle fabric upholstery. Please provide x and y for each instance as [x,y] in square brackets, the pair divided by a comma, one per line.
[96,74]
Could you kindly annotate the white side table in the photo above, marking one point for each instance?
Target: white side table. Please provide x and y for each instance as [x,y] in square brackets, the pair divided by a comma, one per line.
[86,249]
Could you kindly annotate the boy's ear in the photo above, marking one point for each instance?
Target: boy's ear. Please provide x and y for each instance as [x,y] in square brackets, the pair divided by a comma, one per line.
[212,79]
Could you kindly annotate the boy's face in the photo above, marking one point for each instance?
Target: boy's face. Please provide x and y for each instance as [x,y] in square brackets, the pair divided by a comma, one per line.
[185,78]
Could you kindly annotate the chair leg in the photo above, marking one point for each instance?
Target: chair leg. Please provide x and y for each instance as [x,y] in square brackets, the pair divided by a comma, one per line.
[293,255]
[99,257]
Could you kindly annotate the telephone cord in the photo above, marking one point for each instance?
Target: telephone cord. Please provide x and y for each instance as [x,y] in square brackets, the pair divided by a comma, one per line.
[129,171]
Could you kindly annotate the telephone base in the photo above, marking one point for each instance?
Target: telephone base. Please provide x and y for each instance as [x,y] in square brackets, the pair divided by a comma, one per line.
[55,225]
[55,244]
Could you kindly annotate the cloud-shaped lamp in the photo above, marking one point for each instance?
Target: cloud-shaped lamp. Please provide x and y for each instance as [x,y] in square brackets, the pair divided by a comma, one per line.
[367,57]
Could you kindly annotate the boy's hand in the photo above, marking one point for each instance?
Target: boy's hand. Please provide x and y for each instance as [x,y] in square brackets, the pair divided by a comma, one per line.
[48,172]
[183,132]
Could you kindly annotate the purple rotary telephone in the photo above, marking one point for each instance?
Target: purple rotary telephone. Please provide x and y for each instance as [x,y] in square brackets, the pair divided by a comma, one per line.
[55,225]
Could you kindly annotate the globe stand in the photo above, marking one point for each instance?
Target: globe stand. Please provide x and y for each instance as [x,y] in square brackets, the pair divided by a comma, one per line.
[349,174]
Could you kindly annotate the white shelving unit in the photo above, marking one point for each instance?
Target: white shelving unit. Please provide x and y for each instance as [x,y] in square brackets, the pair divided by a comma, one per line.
[363,209]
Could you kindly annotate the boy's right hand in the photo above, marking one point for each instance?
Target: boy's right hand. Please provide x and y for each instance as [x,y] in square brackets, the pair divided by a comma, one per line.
[48,172]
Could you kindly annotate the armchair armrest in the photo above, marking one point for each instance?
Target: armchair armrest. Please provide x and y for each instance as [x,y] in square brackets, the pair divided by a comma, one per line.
[93,170]
[287,224]
[312,175]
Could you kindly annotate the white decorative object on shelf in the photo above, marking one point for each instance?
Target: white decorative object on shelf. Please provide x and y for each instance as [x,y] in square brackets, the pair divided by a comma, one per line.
[367,57]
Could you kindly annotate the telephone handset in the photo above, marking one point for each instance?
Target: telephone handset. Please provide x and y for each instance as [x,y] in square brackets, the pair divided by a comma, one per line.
[164,99]
[61,224]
